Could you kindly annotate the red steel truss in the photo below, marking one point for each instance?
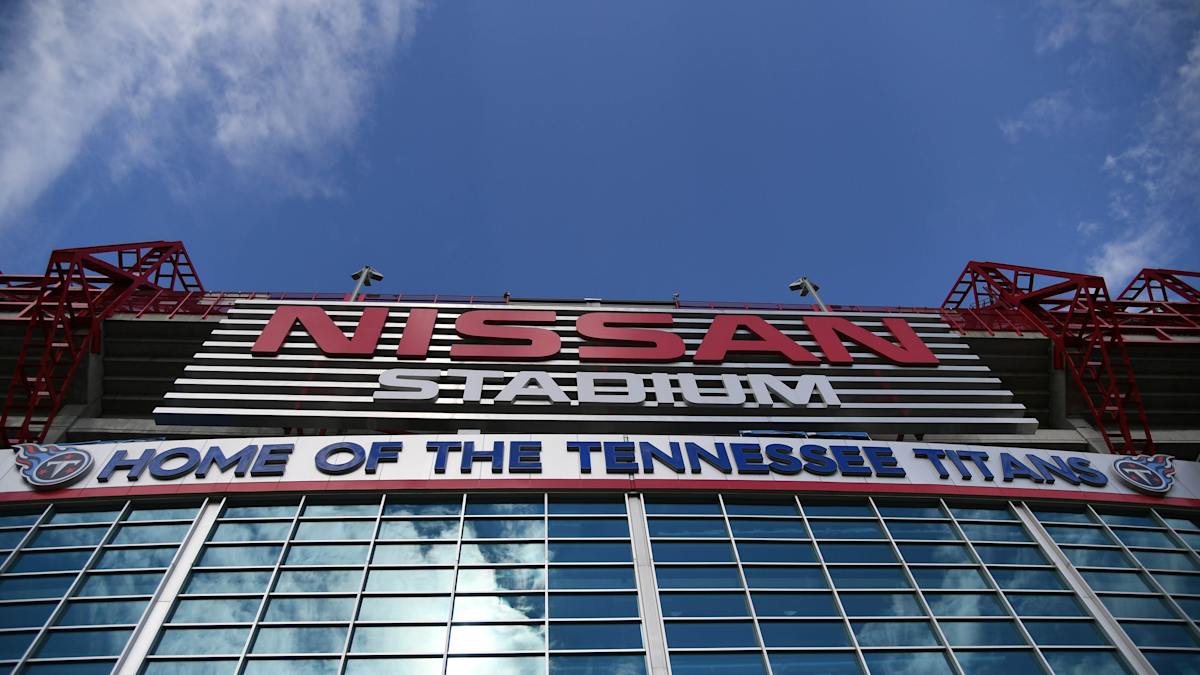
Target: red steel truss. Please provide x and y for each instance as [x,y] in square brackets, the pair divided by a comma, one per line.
[63,311]
[1076,313]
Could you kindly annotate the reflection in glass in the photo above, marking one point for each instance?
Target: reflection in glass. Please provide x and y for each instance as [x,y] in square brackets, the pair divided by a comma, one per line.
[413,554]
[151,534]
[683,634]
[506,528]
[793,604]
[1096,557]
[318,581]
[1159,634]
[408,666]
[335,529]
[1011,555]
[239,556]
[703,604]
[292,666]
[1009,578]
[410,581]
[91,516]
[1126,606]
[1037,604]
[504,506]
[418,529]
[497,639]
[227,582]
[857,553]
[412,639]
[783,577]
[138,583]
[591,577]
[499,607]
[965,604]
[846,529]
[868,577]
[1065,534]
[893,633]
[24,588]
[413,506]
[778,528]
[590,664]
[589,527]
[261,511]
[910,511]
[501,579]
[162,513]
[496,665]
[699,577]
[416,608]
[982,512]
[1178,583]
[776,552]
[924,663]
[132,558]
[54,561]
[310,609]
[700,506]
[345,510]
[1117,581]
[99,613]
[178,641]
[1077,662]
[1166,560]
[686,527]
[1144,538]
[503,553]
[935,553]
[595,636]
[990,532]
[327,554]
[1063,515]
[574,506]
[742,506]
[671,551]
[948,577]
[270,531]
[806,663]
[808,634]
[83,643]
[299,640]
[881,604]
[609,551]
[997,662]
[901,529]
[745,663]
[980,633]
[1065,633]
[205,667]
[67,536]
[233,610]
[593,605]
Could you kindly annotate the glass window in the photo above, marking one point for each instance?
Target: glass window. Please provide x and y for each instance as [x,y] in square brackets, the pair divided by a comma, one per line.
[703,604]
[19,616]
[412,581]
[368,509]
[804,663]
[893,633]
[1066,534]
[507,528]
[1010,578]
[299,640]
[503,553]
[857,553]
[414,554]
[58,644]
[327,554]
[846,529]
[982,512]
[840,508]
[783,577]
[92,613]
[1065,633]
[776,552]
[309,609]
[1181,663]
[498,638]
[415,506]
[412,639]
[1011,555]
[1179,583]
[868,577]
[1179,522]
[227,582]
[997,662]
[504,579]
[417,608]
[589,527]
[1039,604]
[901,529]
[233,610]
[250,531]
[239,556]
[742,506]
[260,511]
[926,663]
[319,581]
[1117,581]
[50,561]
[259,666]
[151,534]
[23,588]
[334,529]
[15,520]
[670,551]
[418,529]
[990,532]
[807,634]
[980,633]
[67,536]
[1159,634]
[13,645]
[762,528]
[1124,606]
[684,634]
[1062,515]
[667,505]
[178,641]
[591,577]
[710,663]
[1165,560]
[569,505]
[1190,606]
[162,513]
[1144,538]
[699,577]
[881,604]
[589,664]
[900,510]
[1091,662]
[935,553]
[948,577]
[793,604]
[70,668]
[504,506]
[141,583]
[513,665]
[1143,519]
[10,538]
[499,607]
[965,604]
[90,516]
[1096,557]
[593,605]
[595,636]
[133,558]
[563,551]
[686,527]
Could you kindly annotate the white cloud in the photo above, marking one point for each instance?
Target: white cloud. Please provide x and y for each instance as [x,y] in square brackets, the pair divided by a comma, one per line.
[1045,116]
[274,89]
[1087,228]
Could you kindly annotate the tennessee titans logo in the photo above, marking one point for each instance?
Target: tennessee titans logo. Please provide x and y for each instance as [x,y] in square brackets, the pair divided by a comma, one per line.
[51,466]
[1151,474]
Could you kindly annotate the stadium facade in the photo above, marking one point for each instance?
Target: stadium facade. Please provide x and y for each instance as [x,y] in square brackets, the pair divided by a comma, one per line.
[215,482]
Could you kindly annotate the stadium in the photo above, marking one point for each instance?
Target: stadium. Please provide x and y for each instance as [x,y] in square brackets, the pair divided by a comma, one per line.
[260,482]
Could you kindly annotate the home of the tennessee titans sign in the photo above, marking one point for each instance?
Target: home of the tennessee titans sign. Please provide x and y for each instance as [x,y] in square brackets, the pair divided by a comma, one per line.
[1151,474]
[50,466]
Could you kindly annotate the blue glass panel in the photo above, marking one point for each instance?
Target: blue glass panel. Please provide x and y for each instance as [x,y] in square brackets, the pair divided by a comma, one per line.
[589,527]
[1063,515]
[982,512]
[345,510]
[684,634]
[133,558]
[506,506]
[847,508]
[100,613]
[997,662]
[509,665]
[686,527]
[857,553]
[319,581]
[162,513]
[415,608]
[1032,579]
[1144,538]
[1129,606]
[776,552]
[901,510]
[793,604]
[408,666]
[89,516]
[1065,633]
[21,588]
[660,505]
[250,531]
[606,664]
[233,610]
[227,582]
[740,506]
[591,577]
[935,553]
[137,583]
[717,664]
[261,511]
[574,506]
[506,528]
[804,634]
[1096,557]
[1166,560]
[595,636]
[13,645]
[784,577]
[310,609]
[299,640]
[699,577]
[965,604]
[703,604]
[1011,555]
[846,529]
[617,551]
[509,607]
[1117,581]
[1182,522]
[1178,583]
[667,551]
[893,633]
[19,519]
[528,553]
[802,663]
[179,641]
[70,668]
[499,638]
[1171,663]
[881,604]
[990,532]
[1038,604]
[84,643]
[592,605]
[151,534]
[868,577]
[1140,519]
[50,561]
[205,667]
[1190,606]
[10,538]
[1065,534]
[1086,662]
[19,616]
[901,529]
[980,633]
[434,528]
[239,556]
[414,554]
[67,536]
[415,506]
[327,554]
[777,528]
[1160,634]
[504,579]
[948,577]
[335,529]
[292,666]
[925,663]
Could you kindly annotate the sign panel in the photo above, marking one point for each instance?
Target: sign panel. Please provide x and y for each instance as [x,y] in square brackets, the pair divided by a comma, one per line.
[551,461]
[572,367]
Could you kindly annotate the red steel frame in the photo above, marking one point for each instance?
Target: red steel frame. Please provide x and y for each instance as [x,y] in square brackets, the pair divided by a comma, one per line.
[66,307]
[1076,313]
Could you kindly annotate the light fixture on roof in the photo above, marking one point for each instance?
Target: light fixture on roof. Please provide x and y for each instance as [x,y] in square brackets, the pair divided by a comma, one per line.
[364,277]
[805,287]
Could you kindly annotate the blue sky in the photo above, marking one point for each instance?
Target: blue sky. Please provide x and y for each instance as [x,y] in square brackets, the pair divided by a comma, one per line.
[606,149]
